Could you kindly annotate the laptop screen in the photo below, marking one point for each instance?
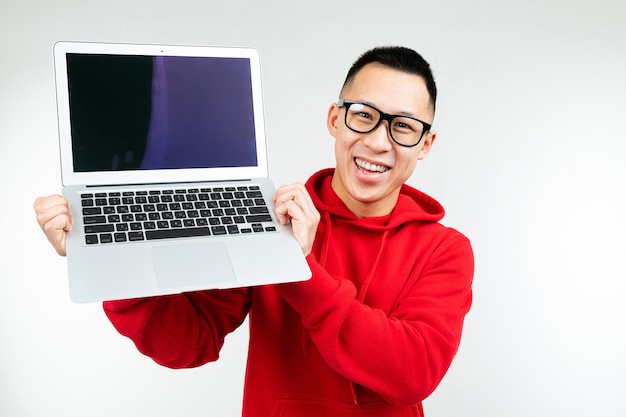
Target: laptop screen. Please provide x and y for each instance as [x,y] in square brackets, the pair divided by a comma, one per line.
[131,112]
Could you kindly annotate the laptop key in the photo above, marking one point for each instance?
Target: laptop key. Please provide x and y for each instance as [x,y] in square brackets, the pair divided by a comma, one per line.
[98,228]
[134,236]
[120,237]
[259,210]
[174,233]
[218,230]
[259,218]
[94,219]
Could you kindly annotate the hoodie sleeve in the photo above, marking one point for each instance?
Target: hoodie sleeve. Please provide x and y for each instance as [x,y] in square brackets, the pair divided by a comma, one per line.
[180,331]
[402,354]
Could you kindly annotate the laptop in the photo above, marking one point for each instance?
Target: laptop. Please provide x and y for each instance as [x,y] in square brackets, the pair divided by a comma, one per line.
[164,163]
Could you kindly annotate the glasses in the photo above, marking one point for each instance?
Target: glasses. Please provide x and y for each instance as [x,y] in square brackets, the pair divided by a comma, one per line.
[363,118]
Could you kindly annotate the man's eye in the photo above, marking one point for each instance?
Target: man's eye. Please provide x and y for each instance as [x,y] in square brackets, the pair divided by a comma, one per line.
[364,115]
[402,126]
[405,126]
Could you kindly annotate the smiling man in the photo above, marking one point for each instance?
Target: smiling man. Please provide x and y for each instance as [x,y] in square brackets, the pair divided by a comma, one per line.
[371,167]
[374,330]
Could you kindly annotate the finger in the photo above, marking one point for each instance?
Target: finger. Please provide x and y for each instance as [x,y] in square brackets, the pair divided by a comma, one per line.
[293,203]
[282,196]
[303,198]
[55,230]
[46,214]
[54,218]
[287,190]
[43,203]
[297,193]
[300,216]
[283,211]
[303,224]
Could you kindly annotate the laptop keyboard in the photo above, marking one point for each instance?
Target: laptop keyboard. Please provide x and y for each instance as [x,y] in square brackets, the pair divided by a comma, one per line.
[117,217]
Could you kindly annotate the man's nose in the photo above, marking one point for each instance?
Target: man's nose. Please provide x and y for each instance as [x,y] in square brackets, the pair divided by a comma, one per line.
[378,138]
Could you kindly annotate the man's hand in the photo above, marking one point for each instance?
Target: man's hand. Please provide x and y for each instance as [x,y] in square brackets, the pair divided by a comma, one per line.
[55,219]
[294,204]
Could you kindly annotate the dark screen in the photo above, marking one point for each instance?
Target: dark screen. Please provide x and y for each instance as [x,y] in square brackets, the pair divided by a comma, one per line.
[144,112]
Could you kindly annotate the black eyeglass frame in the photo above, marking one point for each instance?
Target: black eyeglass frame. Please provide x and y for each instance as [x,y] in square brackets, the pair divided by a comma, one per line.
[383,116]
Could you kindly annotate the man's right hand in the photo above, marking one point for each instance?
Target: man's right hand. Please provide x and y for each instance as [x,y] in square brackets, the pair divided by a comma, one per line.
[55,219]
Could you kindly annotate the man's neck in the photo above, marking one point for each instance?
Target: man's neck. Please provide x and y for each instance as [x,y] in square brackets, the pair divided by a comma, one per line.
[363,208]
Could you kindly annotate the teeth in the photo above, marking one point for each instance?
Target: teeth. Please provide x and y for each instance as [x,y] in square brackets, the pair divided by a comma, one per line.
[370,167]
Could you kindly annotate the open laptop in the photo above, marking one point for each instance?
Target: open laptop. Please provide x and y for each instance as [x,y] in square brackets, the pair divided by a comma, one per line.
[163,159]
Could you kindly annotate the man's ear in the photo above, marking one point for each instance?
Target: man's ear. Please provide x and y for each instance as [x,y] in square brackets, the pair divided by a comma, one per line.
[429,140]
[332,119]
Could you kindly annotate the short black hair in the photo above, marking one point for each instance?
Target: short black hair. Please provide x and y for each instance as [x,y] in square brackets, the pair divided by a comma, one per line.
[399,58]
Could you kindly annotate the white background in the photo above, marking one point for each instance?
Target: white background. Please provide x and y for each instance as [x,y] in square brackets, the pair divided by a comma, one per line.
[528,163]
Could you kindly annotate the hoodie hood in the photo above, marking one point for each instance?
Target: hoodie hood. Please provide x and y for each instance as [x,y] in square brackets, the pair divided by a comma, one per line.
[412,205]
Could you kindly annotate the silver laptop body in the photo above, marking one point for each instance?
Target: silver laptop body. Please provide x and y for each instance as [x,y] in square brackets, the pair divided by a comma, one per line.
[163,160]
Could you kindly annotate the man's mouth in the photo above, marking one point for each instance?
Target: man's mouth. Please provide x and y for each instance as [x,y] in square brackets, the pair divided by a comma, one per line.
[369,167]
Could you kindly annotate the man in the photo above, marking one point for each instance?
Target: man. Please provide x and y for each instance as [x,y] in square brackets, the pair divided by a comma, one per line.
[374,330]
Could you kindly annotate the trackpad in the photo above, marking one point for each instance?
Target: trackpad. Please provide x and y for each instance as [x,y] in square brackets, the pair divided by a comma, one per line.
[191,265]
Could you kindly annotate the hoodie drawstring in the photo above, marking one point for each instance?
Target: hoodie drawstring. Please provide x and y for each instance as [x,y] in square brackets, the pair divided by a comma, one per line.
[305,338]
[325,245]
[366,284]
[361,298]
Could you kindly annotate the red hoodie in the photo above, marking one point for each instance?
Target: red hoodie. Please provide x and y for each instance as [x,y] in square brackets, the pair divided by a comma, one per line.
[372,333]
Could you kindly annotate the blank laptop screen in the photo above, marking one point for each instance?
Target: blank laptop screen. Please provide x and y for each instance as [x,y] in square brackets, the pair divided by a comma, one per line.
[160,112]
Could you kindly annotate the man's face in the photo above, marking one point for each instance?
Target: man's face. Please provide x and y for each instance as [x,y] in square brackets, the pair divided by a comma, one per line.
[371,168]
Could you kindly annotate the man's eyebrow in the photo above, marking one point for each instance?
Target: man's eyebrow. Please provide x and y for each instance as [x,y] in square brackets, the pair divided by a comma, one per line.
[408,114]
[402,113]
